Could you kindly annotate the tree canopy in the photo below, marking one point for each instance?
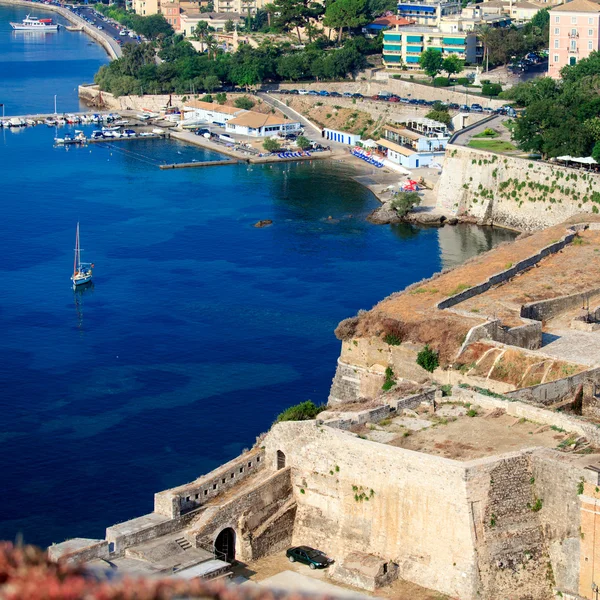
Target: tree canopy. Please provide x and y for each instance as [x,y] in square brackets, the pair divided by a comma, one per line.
[560,117]
[341,14]
[431,61]
[184,70]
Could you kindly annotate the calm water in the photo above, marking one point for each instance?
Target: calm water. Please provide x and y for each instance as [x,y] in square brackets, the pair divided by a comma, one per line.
[36,66]
[199,328]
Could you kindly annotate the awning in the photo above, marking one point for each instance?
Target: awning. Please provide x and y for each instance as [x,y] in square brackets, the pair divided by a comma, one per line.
[369,143]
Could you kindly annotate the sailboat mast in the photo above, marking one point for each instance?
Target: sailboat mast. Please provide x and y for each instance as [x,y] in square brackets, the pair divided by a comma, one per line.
[76,260]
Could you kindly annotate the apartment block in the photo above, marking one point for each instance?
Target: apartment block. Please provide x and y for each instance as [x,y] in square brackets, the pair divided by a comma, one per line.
[404,45]
[428,13]
[574,34]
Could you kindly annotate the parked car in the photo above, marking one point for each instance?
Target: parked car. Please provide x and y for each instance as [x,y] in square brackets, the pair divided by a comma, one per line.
[347,94]
[464,108]
[323,93]
[476,108]
[335,94]
[283,91]
[488,110]
[315,559]
[201,131]
[453,106]
[313,93]
[394,99]
[303,92]
[357,95]
[294,92]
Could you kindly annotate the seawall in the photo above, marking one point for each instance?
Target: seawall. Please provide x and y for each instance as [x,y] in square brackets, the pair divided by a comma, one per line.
[111,47]
[514,192]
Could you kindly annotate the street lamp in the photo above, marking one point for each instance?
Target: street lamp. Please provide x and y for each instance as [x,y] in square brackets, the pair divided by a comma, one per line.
[595,590]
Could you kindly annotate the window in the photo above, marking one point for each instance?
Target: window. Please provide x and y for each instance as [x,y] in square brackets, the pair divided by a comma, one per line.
[572,60]
[573,32]
[590,20]
[206,492]
[573,20]
[556,58]
[223,480]
[241,469]
[573,45]
[590,32]
[557,31]
[214,486]
[590,45]
[556,44]
[557,19]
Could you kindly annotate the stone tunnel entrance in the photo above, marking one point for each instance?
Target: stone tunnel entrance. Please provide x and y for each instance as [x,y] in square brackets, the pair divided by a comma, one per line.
[225,545]
[280,460]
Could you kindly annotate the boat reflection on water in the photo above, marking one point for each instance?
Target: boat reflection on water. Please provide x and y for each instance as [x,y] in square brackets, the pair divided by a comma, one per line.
[80,292]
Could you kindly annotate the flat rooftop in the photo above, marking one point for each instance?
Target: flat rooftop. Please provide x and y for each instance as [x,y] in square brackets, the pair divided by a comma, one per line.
[467,432]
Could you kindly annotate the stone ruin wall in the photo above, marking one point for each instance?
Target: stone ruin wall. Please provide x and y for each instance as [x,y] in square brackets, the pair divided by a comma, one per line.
[514,192]
[416,516]
[467,529]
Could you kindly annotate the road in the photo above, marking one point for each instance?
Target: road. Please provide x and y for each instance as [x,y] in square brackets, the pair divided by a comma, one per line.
[107,28]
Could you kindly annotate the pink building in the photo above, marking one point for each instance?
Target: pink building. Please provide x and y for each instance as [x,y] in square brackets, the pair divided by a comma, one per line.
[574,33]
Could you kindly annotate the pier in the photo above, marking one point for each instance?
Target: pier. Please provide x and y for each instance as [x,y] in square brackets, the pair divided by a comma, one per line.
[203,163]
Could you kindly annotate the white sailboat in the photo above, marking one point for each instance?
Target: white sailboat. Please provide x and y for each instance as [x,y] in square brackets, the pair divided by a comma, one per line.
[82,272]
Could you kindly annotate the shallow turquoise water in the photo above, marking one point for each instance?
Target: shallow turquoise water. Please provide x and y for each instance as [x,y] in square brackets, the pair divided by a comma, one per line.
[199,328]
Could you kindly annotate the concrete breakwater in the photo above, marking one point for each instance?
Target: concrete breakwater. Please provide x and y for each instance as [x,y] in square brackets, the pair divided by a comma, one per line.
[514,192]
[112,48]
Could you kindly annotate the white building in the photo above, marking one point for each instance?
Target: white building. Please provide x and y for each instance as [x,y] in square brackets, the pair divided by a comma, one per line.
[259,125]
[211,112]
[413,149]
[343,137]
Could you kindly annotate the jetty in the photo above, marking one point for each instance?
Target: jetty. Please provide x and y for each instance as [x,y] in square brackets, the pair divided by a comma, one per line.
[203,163]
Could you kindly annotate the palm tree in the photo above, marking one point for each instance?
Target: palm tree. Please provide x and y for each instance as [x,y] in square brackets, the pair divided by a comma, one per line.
[484,33]
[211,45]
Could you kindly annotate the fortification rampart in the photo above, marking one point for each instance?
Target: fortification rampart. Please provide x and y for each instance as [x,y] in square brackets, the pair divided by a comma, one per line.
[514,192]
[190,496]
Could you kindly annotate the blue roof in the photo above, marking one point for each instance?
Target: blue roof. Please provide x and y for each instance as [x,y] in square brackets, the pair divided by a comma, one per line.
[414,7]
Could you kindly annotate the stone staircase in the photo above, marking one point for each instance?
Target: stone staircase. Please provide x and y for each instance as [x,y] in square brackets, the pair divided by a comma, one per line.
[183,543]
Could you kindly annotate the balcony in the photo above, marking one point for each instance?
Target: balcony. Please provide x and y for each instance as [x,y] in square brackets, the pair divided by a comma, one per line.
[573,35]
[573,50]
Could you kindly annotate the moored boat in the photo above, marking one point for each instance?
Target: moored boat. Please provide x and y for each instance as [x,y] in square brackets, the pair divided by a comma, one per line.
[82,272]
[35,24]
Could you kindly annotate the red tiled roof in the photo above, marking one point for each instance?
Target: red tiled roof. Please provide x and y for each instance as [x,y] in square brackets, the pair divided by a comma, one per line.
[392,20]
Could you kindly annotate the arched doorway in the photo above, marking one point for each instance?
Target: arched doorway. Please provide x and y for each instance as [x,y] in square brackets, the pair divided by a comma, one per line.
[225,545]
[280,460]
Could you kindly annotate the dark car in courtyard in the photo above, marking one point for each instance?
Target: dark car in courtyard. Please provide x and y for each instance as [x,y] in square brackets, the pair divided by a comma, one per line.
[315,559]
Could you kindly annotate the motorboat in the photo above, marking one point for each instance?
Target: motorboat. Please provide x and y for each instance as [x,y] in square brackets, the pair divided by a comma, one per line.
[35,24]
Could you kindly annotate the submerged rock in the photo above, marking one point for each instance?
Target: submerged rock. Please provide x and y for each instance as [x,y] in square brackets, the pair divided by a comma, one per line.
[263,223]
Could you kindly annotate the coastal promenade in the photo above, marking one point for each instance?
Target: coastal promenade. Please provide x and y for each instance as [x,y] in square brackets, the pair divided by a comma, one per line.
[112,48]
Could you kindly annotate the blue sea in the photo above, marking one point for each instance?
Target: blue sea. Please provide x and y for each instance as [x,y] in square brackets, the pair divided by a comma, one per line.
[199,328]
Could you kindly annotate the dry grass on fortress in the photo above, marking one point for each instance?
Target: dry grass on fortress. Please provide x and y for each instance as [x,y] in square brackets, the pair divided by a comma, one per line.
[513,366]
[485,434]
[413,312]
[573,270]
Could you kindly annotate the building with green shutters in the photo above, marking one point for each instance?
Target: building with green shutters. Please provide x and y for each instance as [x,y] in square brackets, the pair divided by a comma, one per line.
[403,46]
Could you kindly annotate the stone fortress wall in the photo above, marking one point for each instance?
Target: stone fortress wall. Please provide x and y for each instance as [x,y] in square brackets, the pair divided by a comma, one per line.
[514,192]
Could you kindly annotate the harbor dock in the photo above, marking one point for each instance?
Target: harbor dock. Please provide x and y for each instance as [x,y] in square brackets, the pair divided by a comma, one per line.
[204,163]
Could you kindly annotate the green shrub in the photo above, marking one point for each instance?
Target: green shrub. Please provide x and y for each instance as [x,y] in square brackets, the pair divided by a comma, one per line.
[428,359]
[304,411]
[271,145]
[389,382]
[244,102]
[491,89]
[404,202]
[303,142]
[463,81]
[441,82]
[393,339]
